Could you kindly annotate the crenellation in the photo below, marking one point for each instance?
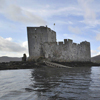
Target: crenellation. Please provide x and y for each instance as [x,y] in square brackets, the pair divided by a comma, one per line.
[60,43]
[74,45]
[65,41]
[70,41]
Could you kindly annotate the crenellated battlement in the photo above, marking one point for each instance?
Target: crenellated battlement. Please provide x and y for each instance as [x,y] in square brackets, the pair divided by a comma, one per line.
[68,42]
[65,41]
[60,43]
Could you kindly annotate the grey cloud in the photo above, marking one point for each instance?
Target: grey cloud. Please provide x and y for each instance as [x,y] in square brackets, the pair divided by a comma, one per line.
[2,3]
[16,13]
[6,45]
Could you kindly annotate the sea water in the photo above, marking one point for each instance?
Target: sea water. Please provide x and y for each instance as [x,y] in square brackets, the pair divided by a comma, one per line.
[79,83]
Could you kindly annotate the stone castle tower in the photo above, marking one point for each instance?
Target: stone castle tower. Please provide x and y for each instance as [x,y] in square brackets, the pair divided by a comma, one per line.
[42,42]
[37,36]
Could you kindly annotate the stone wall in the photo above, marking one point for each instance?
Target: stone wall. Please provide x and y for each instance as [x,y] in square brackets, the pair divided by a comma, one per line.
[67,51]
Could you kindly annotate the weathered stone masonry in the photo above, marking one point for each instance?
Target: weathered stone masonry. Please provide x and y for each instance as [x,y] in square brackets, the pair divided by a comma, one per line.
[42,42]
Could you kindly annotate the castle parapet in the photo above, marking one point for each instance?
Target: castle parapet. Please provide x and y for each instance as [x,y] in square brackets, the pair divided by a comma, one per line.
[70,41]
[60,43]
[65,41]
[75,44]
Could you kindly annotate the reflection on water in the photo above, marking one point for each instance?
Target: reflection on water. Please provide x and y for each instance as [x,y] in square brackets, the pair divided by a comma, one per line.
[51,84]
[62,83]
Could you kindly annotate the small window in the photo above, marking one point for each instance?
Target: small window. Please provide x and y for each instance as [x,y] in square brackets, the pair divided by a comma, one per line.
[35,36]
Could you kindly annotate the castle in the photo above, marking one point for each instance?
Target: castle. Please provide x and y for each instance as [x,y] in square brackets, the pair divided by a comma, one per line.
[42,43]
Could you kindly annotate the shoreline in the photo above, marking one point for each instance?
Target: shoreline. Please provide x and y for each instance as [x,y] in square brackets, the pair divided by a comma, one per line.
[19,65]
[29,65]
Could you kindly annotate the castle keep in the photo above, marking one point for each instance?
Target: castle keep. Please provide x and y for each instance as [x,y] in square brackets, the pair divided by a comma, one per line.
[42,42]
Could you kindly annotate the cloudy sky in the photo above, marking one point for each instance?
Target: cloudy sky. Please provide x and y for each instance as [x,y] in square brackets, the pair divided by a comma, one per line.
[74,19]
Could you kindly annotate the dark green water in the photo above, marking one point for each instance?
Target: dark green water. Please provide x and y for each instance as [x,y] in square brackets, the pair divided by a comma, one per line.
[50,84]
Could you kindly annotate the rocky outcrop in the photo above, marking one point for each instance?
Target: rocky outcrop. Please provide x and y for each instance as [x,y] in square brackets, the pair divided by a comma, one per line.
[19,65]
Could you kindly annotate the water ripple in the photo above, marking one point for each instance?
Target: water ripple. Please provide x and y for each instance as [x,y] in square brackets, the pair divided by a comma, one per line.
[50,84]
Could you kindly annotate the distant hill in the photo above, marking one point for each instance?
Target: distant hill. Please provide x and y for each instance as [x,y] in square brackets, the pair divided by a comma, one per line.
[8,59]
[96,58]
